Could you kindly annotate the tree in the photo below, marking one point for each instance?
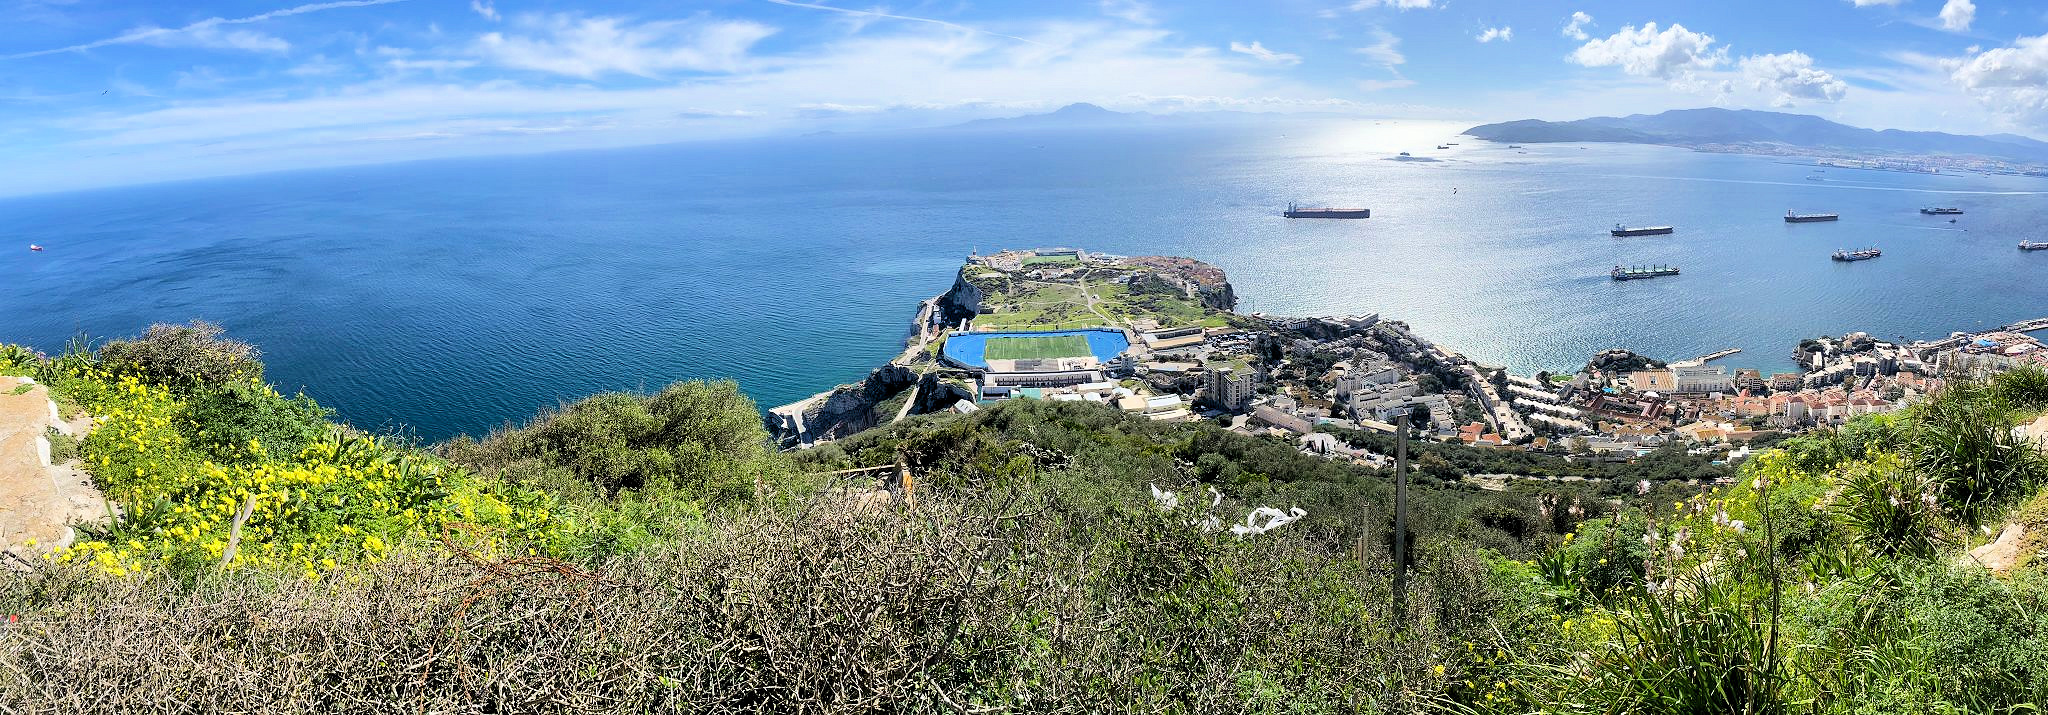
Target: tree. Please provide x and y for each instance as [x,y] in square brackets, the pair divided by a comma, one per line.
[1438,467]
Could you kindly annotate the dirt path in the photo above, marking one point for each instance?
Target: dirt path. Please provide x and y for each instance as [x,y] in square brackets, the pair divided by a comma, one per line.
[38,500]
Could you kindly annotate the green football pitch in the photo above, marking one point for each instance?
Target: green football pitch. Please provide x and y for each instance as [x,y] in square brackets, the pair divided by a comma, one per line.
[1053,346]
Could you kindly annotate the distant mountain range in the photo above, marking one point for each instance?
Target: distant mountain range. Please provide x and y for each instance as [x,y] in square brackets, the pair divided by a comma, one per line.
[1085,115]
[1739,127]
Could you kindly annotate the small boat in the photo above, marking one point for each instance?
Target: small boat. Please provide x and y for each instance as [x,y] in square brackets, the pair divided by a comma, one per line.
[1813,178]
[1443,146]
[2034,245]
[1514,146]
[34,247]
[1853,256]
[1628,274]
[1939,211]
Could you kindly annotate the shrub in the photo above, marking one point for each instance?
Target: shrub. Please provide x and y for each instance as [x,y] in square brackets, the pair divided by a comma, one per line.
[185,357]
[695,439]
[1892,512]
[1962,440]
[224,420]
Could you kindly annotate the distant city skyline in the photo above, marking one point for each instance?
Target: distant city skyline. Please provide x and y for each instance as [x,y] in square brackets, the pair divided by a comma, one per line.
[105,93]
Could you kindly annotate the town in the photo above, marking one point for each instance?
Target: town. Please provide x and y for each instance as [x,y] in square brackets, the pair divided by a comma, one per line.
[1157,336]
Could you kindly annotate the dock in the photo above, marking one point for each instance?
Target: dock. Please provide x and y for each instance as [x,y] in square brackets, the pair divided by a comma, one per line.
[1710,357]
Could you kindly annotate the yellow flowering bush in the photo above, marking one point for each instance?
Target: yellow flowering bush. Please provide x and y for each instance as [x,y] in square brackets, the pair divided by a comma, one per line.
[339,499]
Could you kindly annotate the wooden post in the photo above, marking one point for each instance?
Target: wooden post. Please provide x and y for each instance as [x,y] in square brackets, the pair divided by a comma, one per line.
[1401,521]
[1364,535]
[909,485]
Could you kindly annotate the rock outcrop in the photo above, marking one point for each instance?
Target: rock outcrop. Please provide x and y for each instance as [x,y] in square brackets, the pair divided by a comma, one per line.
[839,412]
[39,501]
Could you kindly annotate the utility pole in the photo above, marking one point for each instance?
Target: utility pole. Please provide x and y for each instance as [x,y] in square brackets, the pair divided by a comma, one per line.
[1401,522]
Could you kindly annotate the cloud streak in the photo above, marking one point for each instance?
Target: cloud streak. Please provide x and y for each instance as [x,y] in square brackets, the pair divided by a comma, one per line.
[907,18]
[1259,52]
[157,35]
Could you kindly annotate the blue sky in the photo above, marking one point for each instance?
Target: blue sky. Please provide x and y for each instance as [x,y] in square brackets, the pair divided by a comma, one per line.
[98,93]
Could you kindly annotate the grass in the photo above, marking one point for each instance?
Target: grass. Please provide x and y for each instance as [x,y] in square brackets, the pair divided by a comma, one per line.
[1050,346]
[1050,260]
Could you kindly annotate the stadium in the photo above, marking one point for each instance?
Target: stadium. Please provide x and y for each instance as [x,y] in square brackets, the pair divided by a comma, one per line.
[1053,358]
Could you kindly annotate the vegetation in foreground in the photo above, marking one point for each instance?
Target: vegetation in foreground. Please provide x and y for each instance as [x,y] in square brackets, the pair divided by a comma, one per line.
[648,553]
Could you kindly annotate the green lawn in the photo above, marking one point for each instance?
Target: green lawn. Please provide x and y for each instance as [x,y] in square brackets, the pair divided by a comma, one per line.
[1050,260]
[1051,346]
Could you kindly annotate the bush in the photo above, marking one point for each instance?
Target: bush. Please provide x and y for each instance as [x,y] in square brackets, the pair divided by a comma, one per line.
[225,420]
[185,357]
[693,439]
[1962,440]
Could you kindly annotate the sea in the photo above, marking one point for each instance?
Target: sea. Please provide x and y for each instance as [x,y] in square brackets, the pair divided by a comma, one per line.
[437,298]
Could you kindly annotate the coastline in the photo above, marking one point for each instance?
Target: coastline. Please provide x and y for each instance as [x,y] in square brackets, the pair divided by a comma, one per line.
[1246,370]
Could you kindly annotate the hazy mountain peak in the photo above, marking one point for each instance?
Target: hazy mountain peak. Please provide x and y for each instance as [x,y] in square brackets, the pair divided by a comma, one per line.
[1704,126]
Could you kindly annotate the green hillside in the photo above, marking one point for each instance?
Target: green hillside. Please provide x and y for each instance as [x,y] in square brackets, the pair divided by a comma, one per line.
[648,553]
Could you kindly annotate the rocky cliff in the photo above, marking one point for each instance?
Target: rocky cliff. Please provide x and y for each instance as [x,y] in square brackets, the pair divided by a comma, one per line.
[848,409]
[962,301]
[839,412]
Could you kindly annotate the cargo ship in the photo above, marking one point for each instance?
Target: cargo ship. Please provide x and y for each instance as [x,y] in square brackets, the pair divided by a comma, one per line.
[1862,255]
[1294,211]
[1628,274]
[1795,217]
[2034,245]
[1937,211]
[1620,230]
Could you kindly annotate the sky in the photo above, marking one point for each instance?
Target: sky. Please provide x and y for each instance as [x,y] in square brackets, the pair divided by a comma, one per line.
[99,93]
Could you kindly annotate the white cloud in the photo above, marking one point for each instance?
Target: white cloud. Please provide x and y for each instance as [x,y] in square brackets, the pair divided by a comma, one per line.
[879,15]
[213,37]
[485,8]
[1396,4]
[2010,81]
[1502,33]
[1791,76]
[1135,11]
[919,74]
[1265,55]
[405,65]
[592,47]
[1375,85]
[1868,3]
[1576,29]
[160,35]
[1672,54]
[1956,15]
[317,67]
[1385,49]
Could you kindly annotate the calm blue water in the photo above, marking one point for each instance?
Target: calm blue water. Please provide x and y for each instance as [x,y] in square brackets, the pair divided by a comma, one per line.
[457,296]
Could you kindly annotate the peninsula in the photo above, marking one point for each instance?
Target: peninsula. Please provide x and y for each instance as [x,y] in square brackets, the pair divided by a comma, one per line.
[1158,337]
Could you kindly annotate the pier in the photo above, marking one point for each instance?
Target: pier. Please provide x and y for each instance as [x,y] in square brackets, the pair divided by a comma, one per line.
[1709,357]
